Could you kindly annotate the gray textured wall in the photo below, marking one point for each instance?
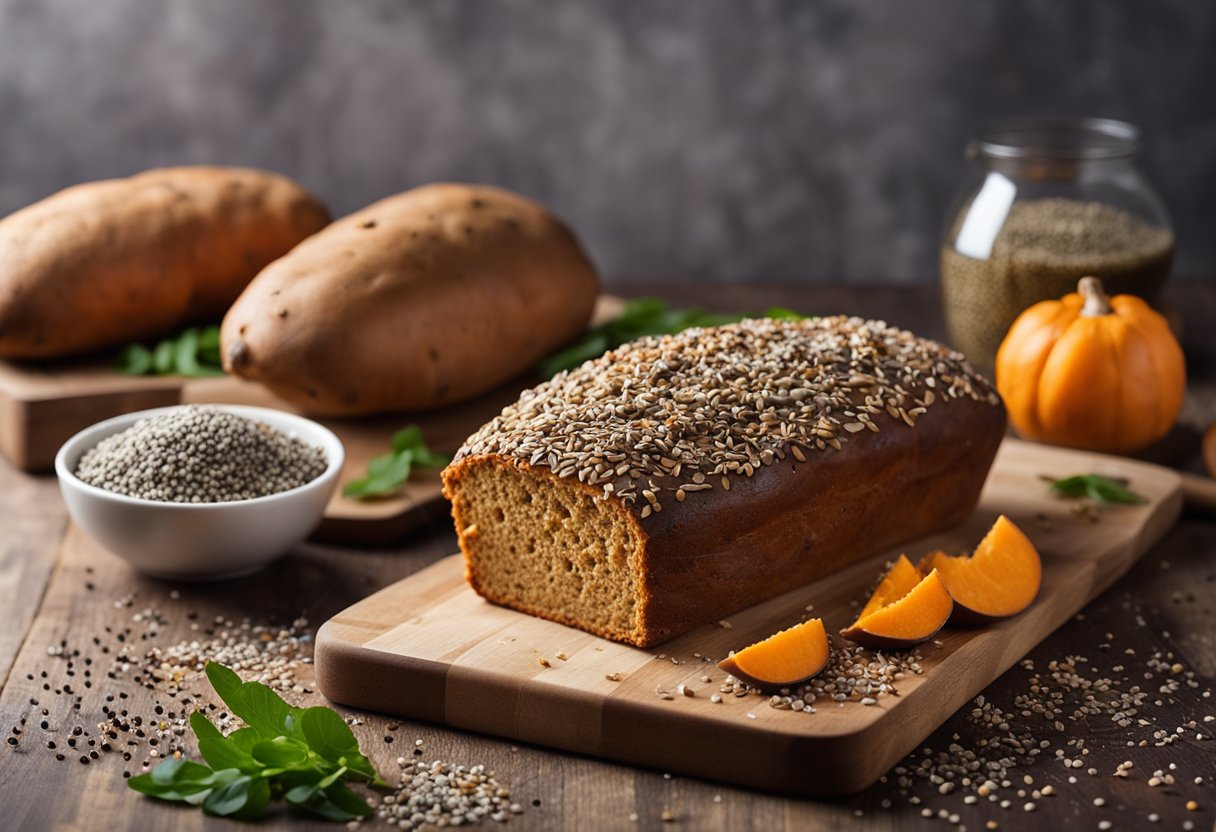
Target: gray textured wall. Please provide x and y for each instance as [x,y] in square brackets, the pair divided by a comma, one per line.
[715,139]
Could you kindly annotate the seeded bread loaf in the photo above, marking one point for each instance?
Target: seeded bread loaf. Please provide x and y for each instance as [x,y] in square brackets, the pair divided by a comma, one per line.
[679,479]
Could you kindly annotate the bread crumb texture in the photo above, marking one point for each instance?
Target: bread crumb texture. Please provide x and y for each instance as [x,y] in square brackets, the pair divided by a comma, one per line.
[552,550]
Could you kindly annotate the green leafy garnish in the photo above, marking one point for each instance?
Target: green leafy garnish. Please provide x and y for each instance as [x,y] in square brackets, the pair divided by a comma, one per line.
[387,472]
[641,316]
[192,352]
[300,755]
[1098,488]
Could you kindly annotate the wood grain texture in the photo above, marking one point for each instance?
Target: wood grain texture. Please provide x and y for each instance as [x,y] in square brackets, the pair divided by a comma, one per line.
[32,519]
[429,648]
[1167,604]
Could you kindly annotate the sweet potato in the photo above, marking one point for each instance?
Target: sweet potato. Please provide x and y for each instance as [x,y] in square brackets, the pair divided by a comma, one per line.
[421,300]
[104,263]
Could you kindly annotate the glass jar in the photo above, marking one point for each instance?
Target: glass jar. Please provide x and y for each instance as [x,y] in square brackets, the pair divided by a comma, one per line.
[1049,201]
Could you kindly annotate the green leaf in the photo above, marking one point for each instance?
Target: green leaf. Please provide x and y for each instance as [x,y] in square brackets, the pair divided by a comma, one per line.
[593,345]
[280,753]
[162,358]
[1098,488]
[244,739]
[640,317]
[304,755]
[134,360]
[385,474]
[391,467]
[219,751]
[780,313]
[408,438]
[263,710]
[185,352]
[260,707]
[244,797]
[388,472]
[192,352]
[179,772]
[226,682]
[328,734]
[337,803]
[181,780]
[209,347]
[334,777]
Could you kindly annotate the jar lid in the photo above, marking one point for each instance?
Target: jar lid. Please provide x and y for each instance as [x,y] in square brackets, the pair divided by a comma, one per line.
[1056,138]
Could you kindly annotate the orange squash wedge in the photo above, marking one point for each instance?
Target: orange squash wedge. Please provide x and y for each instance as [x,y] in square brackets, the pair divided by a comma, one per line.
[900,579]
[902,620]
[1000,579]
[783,660]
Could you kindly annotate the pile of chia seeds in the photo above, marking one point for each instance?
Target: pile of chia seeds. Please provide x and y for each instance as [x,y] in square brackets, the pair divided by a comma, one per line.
[200,455]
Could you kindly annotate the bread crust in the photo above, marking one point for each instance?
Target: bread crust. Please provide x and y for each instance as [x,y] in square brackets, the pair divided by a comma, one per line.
[792,523]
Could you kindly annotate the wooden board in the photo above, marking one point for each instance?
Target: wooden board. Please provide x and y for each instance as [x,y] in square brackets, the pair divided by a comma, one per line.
[429,648]
[42,404]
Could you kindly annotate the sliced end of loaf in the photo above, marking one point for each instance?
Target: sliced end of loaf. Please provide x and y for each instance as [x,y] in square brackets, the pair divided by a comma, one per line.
[549,547]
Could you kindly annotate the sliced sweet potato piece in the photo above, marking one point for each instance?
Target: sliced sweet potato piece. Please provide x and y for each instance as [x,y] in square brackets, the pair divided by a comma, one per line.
[1000,579]
[907,620]
[900,579]
[782,660]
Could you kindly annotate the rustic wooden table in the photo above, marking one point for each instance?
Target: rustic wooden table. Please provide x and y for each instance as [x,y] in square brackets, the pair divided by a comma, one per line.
[76,635]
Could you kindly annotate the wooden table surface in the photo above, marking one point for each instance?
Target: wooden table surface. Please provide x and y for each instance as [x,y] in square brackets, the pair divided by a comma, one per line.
[63,621]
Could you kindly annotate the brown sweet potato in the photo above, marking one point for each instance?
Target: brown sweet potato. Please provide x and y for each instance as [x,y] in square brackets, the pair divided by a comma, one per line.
[418,301]
[104,263]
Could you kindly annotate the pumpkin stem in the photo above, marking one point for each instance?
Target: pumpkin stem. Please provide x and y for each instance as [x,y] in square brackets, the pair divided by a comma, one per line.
[1096,301]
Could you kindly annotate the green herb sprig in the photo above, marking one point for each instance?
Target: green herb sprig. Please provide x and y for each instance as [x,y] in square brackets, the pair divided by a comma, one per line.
[641,316]
[193,352]
[1096,487]
[300,755]
[388,472]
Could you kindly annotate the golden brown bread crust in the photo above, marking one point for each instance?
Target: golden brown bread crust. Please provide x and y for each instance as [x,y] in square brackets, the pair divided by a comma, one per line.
[104,263]
[419,301]
[750,459]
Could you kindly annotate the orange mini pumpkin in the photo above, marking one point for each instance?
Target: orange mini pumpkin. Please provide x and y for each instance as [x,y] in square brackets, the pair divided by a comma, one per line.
[1088,371]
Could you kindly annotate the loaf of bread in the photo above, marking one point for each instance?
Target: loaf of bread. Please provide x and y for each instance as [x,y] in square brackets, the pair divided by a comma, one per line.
[678,479]
[104,263]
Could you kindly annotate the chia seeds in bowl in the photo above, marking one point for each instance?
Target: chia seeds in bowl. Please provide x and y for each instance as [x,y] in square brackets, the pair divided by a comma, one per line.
[200,493]
[198,454]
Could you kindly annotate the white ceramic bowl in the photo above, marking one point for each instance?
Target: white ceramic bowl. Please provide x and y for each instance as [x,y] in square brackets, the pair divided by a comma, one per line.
[199,541]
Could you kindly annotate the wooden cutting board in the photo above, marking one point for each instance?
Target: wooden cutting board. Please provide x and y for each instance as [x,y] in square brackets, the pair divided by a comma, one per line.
[429,648]
[43,404]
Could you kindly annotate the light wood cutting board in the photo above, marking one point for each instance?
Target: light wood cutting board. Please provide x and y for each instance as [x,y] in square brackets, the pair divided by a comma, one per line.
[429,648]
[44,404]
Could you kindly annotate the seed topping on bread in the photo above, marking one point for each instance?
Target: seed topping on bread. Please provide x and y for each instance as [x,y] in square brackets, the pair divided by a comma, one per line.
[666,417]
